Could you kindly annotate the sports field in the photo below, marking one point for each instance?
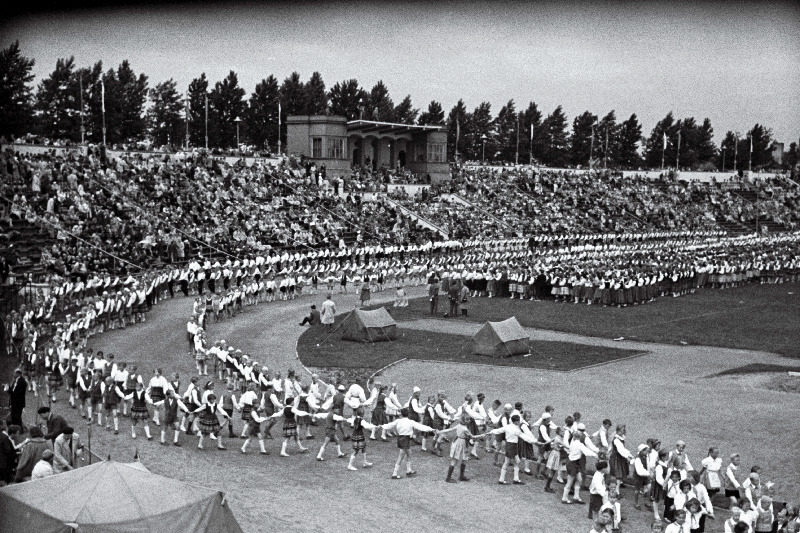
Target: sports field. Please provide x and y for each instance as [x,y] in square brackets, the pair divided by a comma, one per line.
[672,391]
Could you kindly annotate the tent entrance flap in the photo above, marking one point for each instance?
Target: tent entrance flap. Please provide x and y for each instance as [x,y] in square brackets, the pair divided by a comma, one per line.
[501,339]
[369,326]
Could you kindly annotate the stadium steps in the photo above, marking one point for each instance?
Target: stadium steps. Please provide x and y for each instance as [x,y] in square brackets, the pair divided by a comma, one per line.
[425,223]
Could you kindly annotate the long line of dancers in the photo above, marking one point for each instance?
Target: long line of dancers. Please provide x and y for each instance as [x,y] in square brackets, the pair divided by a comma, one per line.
[664,480]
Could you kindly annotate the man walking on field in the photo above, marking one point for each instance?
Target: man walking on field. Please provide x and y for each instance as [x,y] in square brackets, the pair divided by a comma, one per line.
[328,312]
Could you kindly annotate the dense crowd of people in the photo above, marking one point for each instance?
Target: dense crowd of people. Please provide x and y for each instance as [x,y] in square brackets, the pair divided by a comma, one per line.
[141,229]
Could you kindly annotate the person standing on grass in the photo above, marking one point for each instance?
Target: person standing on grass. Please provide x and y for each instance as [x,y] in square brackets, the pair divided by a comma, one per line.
[405,428]
[433,293]
[459,446]
[732,485]
[328,312]
[254,430]
[331,421]
[578,449]
[641,476]
[358,441]
[620,457]
[157,390]
[209,421]
[365,296]
[140,398]
[598,491]
[289,414]
[171,405]
[709,474]
[511,433]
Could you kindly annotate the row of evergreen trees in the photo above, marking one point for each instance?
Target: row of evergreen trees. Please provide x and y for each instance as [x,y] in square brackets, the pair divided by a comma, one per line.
[70,99]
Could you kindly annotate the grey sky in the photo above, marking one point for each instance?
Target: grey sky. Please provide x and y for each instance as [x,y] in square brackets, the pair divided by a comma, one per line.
[736,63]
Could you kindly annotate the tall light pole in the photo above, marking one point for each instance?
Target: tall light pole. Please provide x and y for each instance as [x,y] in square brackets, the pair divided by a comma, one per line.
[735,152]
[516,155]
[591,147]
[723,158]
[678,153]
[279,127]
[206,121]
[483,149]
[237,120]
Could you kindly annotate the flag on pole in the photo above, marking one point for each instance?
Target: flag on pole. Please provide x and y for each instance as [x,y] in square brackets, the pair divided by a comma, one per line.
[279,110]
[458,129]
[102,96]
[751,144]
[665,141]
[531,131]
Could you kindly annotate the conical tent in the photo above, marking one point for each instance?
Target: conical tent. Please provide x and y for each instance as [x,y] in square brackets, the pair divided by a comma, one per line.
[111,497]
[501,339]
[369,326]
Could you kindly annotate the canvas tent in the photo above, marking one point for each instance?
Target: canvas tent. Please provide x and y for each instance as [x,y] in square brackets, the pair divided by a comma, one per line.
[369,326]
[501,339]
[111,497]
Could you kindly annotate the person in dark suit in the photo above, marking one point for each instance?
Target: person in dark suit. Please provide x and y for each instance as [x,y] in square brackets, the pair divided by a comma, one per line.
[8,456]
[55,423]
[313,319]
[433,293]
[17,391]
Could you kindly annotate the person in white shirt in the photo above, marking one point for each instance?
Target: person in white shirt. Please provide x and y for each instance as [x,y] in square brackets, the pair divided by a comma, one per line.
[679,525]
[512,433]
[710,471]
[735,518]
[579,448]
[598,492]
[405,427]
[732,485]
[44,467]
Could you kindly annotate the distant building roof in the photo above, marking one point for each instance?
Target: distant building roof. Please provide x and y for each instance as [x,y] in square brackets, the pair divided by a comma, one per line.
[382,128]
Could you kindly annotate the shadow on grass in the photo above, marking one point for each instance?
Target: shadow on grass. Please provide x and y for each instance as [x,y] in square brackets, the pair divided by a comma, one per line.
[317,347]
[756,368]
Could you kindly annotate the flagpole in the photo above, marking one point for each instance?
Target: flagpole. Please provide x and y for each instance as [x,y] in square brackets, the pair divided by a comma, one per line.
[458,134]
[279,128]
[678,154]
[591,149]
[516,156]
[735,152]
[103,108]
[530,162]
[605,152]
[187,122]
[750,165]
[83,130]
[663,151]
[206,121]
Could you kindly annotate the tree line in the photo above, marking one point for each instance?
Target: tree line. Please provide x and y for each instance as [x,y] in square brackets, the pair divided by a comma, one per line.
[68,105]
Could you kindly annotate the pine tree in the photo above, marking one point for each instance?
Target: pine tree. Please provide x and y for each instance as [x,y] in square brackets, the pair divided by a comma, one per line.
[607,139]
[132,97]
[316,98]
[380,106]
[627,153]
[262,114]
[198,95]
[459,121]
[654,146]
[404,112]
[531,117]
[16,93]
[506,126]
[165,116]
[555,152]
[57,103]
[433,116]
[348,99]
[225,104]
[583,142]
[482,143]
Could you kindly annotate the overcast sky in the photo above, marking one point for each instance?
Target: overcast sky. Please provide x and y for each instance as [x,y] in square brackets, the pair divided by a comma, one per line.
[736,63]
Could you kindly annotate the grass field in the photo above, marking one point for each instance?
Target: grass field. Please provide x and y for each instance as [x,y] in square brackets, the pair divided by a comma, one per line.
[671,392]
[754,317]
[318,348]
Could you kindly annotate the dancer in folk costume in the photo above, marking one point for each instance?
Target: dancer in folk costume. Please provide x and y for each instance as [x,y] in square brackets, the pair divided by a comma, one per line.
[247,402]
[111,397]
[460,446]
[254,429]
[139,412]
[512,433]
[209,421]
[171,405]
[84,392]
[405,428]
[289,414]
[157,390]
[331,420]
[358,440]
[379,416]
[620,457]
